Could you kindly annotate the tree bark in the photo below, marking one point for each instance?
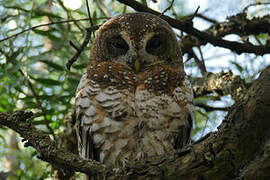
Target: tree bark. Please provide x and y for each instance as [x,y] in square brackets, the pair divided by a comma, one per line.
[240,149]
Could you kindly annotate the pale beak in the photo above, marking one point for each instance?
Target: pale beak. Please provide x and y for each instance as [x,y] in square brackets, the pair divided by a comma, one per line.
[137,65]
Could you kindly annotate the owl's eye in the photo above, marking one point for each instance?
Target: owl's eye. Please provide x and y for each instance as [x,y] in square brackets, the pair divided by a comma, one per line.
[156,45]
[117,45]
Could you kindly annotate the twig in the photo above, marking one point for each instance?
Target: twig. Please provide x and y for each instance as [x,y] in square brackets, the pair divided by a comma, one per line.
[89,14]
[202,17]
[258,40]
[195,13]
[47,24]
[211,108]
[238,25]
[168,8]
[199,62]
[103,8]
[202,60]
[255,4]
[84,44]
[90,19]
[73,45]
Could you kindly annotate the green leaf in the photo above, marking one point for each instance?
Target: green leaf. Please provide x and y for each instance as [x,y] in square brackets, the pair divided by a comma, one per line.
[45,175]
[79,66]
[53,65]
[16,7]
[29,105]
[34,153]
[38,12]
[55,125]
[47,33]
[15,54]
[48,82]
[239,68]
[2,137]
[72,80]
[41,122]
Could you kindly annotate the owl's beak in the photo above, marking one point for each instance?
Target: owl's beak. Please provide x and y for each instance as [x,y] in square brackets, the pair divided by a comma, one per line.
[137,65]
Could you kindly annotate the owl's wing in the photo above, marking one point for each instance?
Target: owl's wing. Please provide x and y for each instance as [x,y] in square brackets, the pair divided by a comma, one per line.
[85,140]
[184,96]
[104,121]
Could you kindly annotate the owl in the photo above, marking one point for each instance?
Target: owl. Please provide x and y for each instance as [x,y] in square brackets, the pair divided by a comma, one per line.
[134,101]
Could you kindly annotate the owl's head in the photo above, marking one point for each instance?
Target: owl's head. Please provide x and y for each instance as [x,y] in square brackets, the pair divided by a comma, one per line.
[137,40]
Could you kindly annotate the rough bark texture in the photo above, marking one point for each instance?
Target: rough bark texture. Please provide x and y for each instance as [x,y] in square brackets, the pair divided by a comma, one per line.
[240,149]
[47,148]
[221,84]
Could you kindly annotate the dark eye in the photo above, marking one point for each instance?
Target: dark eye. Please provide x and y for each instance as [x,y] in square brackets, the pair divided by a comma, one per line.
[117,45]
[156,45]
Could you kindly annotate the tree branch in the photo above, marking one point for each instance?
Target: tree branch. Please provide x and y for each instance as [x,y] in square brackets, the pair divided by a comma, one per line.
[238,24]
[256,4]
[259,168]
[208,108]
[200,63]
[81,48]
[168,8]
[47,24]
[46,147]
[241,25]
[204,37]
[220,83]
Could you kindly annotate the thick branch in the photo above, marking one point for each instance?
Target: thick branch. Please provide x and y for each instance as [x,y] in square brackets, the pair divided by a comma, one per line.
[238,24]
[46,147]
[204,37]
[221,84]
[260,167]
[241,25]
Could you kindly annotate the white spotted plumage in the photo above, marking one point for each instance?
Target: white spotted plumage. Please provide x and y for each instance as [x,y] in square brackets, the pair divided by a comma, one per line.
[125,114]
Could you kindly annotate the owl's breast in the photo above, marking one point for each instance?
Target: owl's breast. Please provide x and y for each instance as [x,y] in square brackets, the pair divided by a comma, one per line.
[163,103]
[160,79]
[113,74]
[128,113]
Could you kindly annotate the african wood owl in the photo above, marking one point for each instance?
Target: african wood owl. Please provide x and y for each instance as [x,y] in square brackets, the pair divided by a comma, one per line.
[134,101]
